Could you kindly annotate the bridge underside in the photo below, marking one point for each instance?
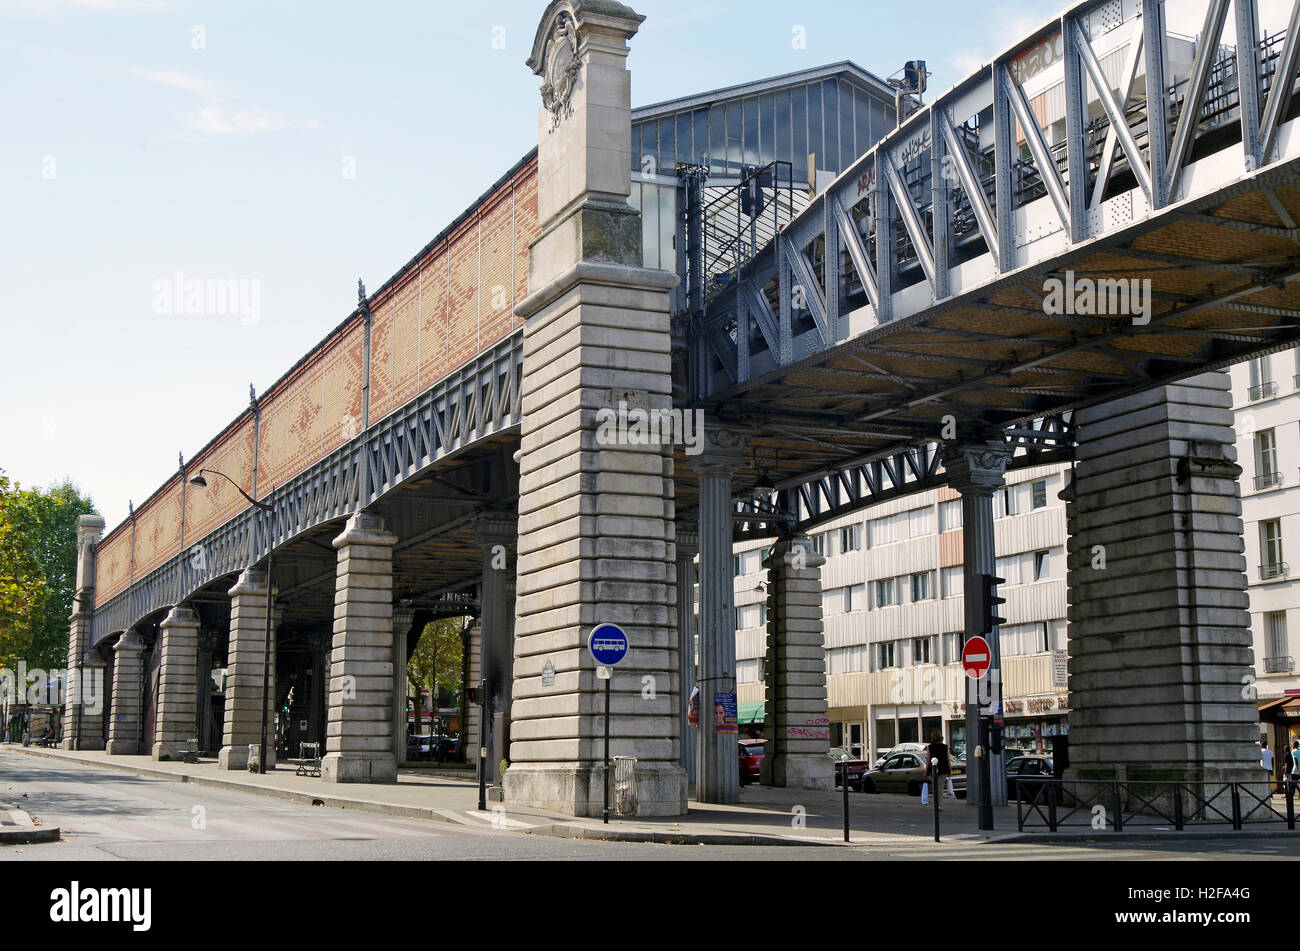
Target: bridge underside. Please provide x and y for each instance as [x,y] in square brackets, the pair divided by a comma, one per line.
[1220,273]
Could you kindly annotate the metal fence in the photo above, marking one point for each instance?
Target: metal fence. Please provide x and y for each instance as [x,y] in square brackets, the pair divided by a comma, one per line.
[1115,806]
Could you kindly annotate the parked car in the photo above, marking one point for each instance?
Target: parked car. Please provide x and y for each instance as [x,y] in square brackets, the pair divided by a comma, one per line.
[854,769]
[905,772]
[1026,776]
[903,748]
[751,759]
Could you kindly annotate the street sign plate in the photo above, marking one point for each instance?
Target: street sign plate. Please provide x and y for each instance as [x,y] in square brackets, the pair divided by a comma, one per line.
[608,644]
[976,657]
[604,673]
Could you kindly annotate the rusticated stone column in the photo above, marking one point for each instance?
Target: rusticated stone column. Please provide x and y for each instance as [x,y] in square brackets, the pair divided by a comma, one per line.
[1161,679]
[797,716]
[245,658]
[496,534]
[595,514]
[359,737]
[177,719]
[128,673]
[84,707]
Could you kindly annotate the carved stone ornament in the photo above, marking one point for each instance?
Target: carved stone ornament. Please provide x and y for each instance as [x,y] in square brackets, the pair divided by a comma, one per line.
[560,75]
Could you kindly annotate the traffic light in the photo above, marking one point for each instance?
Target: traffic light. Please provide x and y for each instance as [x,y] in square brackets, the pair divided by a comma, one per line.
[477,692]
[751,192]
[989,601]
[914,75]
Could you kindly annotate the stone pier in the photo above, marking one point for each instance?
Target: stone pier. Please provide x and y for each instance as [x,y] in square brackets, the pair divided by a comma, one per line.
[359,735]
[124,727]
[177,719]
[595,513]
[1161,679]
[244,675]
[84,717]
[798,724]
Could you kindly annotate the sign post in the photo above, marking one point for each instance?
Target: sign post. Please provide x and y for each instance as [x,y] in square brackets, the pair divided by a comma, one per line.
[976,658]
[608,644]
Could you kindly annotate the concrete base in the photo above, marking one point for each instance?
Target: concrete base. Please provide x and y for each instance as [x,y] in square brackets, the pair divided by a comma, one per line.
[359,768]
[1149,793]
[802,771]
[85,744]
[122,747]
[580,790]
[236,757]
[170,750]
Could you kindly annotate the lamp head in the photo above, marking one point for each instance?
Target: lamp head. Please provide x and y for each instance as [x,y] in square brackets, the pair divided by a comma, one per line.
[199,481]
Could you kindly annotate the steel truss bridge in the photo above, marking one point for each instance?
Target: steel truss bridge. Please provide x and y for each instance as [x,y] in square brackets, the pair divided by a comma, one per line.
[847,374]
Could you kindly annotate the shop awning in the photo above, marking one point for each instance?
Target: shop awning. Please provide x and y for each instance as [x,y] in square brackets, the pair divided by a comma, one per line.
[750,712]
[1279,707]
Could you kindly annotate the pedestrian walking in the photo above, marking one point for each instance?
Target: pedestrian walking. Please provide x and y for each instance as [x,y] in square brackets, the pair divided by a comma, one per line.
[1266,760]
[1293,761]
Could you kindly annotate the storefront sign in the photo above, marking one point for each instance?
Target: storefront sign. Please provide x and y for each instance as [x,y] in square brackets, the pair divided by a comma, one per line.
[1060,669]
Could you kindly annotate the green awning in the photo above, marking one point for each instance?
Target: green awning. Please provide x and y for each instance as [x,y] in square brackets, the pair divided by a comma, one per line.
[750,712]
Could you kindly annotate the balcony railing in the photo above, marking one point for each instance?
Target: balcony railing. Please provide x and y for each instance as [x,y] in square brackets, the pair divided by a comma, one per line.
[1263,391]
[1279,665]
[1268,479]
[1296,382]
[1275,570]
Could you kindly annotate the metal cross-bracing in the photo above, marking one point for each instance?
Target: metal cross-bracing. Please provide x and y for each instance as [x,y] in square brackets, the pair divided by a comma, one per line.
[820,497]
[991,262]
[475,402]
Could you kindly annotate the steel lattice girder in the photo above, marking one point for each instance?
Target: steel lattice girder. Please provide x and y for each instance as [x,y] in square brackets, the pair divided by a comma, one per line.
[477,401]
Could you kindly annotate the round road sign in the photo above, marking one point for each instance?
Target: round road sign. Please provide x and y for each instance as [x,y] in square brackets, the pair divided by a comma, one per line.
[976,657]
[607,643]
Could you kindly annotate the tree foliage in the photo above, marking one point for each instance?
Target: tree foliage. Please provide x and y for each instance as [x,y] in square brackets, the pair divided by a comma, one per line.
[436,662]
[38,568]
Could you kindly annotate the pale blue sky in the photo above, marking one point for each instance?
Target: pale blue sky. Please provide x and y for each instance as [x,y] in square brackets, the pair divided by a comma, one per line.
[131,151]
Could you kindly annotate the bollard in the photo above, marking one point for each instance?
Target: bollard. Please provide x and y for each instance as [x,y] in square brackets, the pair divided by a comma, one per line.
[844,784]
[1290,804]
[934,793]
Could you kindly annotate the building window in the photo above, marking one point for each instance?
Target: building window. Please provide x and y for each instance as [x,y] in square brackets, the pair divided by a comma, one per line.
[1266,471]
[1270,544]
[885,594]
[922,651]
[950,515]
[1261,379]
[952,580]
[920,522]
[1279,652]
[1039,493]
[1042,565]
[921,589]
[851,538]
[1004,501]
[735,565]
[1008,569]
[853,595]
[885,655]
[819,544]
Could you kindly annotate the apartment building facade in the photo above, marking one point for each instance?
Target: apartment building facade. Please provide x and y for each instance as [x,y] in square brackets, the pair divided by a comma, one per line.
[1266,406]
[893,615]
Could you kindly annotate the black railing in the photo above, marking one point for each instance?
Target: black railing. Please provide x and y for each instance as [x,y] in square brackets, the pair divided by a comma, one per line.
[1262,391]
[1276,569]
[1266,479]
[1279,665]
[1114,806]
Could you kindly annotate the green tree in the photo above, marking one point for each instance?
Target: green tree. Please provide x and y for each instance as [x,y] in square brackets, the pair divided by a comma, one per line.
[436,661]
[38,568]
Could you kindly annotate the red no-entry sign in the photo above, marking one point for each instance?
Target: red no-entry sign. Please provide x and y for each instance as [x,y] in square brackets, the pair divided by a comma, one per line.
[976,657]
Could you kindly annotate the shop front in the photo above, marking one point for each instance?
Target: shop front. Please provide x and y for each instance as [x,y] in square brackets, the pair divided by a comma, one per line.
[1279,723]
[1030,725]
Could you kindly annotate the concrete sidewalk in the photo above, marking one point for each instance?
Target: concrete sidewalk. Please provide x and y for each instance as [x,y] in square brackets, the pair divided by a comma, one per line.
[765,815]
[17,827]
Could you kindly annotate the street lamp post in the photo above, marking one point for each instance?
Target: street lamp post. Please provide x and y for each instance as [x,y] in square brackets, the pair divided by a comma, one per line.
[201,482]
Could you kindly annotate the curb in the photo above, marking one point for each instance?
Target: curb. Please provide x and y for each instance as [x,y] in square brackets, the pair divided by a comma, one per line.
[561,831]
[30,837]
[1094,839]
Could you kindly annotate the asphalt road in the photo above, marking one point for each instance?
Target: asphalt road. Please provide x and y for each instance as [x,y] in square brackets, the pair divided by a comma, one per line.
[107,815]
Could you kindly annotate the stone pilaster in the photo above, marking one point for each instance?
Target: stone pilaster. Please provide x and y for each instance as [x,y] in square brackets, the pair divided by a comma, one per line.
[1161,679]
[718,777]
[977,471]
[798,724]
[359,737]
[473,674]
[595,516]
[128,673]
[496,535]
[177,719]
[402,620]
[688,546]
[83,709]
[245,658]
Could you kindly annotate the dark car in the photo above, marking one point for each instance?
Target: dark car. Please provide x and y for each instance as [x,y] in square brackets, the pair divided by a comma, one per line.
[905,772]
[854,768]
[751,760]
[1027,775]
